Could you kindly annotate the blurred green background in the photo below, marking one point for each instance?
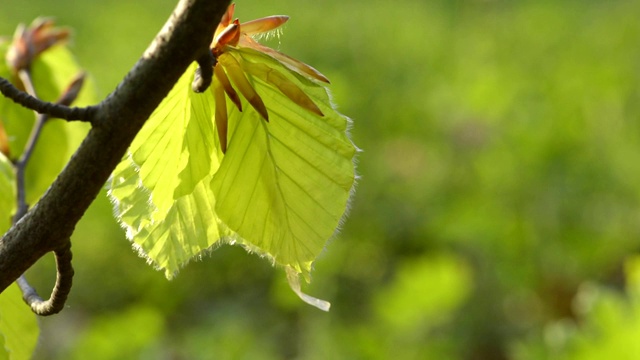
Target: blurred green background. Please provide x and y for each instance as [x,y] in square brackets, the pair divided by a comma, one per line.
[497,217]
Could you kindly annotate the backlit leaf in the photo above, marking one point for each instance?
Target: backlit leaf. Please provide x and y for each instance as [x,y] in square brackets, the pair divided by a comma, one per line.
[280,189]
[283,186]
[160,190]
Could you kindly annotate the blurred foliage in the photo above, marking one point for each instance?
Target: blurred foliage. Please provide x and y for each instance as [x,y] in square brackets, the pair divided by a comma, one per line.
[498,205]
[609,325]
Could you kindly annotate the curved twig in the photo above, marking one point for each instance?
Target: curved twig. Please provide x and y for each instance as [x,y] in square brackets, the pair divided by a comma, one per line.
[64,281]
[54,110]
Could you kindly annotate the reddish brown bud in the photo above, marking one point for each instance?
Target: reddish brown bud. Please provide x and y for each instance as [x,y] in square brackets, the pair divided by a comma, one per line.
[70,94]
[4,141]
[30,42]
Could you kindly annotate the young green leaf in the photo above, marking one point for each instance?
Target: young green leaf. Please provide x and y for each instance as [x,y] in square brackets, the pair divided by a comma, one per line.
[160,191]
[7,193]
[18,326]
[283,186]
[208,167]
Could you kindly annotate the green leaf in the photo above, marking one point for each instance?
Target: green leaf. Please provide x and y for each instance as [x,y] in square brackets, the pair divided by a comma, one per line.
[51,73]
[283,186]
[160,191]
[7,193]
[280,190]
[175,149]
[18,326]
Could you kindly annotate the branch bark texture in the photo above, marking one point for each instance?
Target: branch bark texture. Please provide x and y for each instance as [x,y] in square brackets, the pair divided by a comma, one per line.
[48,225]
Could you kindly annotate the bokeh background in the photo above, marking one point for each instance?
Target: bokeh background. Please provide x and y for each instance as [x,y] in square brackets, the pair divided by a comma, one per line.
[497,217]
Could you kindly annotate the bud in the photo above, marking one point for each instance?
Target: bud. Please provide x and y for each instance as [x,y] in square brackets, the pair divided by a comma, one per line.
[72,91]
[4,141]
[30,42]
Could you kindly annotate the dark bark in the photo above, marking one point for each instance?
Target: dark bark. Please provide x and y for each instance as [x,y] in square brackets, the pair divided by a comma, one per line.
[116,121]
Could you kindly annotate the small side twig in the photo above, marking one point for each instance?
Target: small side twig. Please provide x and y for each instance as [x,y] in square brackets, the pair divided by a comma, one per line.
[21,165]
[67,97]
[54,110]
[64,269]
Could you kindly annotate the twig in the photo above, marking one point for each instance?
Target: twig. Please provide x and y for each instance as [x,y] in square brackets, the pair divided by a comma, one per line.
[116,121]
[64,269]
[21,163]
[64,281]
[54,110]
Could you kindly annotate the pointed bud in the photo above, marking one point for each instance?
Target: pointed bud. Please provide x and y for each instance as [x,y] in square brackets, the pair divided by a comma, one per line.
[30,42]
[264,24]
[72,91]
[4,141]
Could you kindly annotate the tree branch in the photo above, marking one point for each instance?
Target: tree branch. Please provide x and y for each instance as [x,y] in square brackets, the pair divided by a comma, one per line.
[116,121]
